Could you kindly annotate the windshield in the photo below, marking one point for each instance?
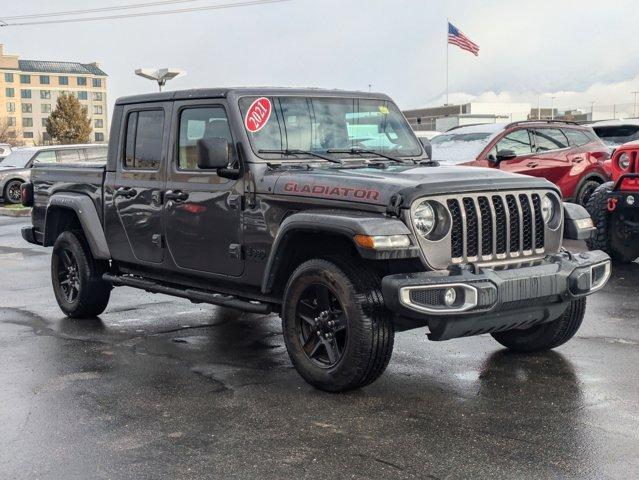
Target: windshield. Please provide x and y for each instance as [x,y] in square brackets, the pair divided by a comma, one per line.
[321,124]
[18,159]
[455,148]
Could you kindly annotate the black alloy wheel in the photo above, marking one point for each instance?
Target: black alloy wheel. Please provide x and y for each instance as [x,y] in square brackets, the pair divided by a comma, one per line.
[68,275]
[12,192]
[322,326]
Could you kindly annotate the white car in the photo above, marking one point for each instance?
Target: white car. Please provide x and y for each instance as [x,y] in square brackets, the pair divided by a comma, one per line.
[617,132]
[5,150]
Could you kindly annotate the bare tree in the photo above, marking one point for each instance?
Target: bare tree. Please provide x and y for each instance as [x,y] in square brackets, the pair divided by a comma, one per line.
[8,133]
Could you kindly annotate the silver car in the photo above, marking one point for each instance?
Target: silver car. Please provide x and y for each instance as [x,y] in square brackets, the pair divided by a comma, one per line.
[15,169]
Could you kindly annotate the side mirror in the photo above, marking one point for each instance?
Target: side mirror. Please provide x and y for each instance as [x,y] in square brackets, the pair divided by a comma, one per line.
[505,155]
[212,153]
[428,147]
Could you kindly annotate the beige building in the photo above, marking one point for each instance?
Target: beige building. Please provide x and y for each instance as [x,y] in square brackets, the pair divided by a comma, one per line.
[29,90]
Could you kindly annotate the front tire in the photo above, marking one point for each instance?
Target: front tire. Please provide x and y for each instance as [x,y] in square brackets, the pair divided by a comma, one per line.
[77,277]
[12,192]
[337,331]
[585,192]
[612,235]
[547,335]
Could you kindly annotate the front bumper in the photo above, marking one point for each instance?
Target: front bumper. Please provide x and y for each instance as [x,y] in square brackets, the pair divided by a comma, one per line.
[488,300]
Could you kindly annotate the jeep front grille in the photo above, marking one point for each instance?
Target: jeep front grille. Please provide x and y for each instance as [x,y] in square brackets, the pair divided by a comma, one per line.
[491,228]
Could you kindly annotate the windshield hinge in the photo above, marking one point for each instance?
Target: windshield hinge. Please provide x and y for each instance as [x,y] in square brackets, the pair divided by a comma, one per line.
[394,205]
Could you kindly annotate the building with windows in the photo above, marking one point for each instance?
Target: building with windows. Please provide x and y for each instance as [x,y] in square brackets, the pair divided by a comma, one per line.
[29,90]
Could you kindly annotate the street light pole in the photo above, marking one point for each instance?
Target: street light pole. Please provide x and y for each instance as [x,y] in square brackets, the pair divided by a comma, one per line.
[552,108]
[634,114]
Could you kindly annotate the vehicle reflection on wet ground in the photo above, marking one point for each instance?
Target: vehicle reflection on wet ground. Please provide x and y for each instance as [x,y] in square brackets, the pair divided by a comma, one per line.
[162,388]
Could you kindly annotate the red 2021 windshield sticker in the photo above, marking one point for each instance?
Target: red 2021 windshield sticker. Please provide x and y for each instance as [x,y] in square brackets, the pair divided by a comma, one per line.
[258,114]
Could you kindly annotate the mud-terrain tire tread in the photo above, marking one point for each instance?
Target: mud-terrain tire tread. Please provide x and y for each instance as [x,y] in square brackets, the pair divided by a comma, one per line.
[374,330]
[547,335]
[94,293]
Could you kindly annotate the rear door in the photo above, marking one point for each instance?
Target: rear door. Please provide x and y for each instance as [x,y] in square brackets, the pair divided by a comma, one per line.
[139,182]
[202,226]
[551,154]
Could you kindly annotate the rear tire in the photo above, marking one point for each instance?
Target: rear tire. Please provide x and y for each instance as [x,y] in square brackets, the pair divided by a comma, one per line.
[611,235]
[547,335]
[11,192]
[77,277]
[361,334]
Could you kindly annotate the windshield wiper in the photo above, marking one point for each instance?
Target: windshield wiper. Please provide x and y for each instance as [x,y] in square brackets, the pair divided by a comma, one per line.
[289,152]
[360,151]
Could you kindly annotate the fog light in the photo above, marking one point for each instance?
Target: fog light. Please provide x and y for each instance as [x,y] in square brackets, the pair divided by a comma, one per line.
[630,200]
[450,295]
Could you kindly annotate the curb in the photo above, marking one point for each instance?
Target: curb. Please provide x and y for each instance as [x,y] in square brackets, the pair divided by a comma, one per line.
[12,212]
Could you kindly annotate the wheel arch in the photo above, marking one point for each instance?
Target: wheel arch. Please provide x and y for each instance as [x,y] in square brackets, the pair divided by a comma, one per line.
[311,234]
[70,211]
[592,175]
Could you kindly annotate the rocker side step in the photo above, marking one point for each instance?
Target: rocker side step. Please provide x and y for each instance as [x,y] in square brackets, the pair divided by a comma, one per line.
[197,296]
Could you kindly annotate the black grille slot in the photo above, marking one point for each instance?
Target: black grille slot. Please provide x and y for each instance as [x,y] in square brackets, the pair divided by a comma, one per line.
[457,241]
[527,219]
[539,222]
[472,228]
[486,226]
[500,223]
[432,297]
[513,214]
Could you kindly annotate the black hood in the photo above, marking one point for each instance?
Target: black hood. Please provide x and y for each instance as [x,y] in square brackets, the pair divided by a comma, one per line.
[377,186]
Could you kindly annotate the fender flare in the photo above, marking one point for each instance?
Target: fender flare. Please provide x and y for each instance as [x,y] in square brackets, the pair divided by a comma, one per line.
[86,212]
[342,223]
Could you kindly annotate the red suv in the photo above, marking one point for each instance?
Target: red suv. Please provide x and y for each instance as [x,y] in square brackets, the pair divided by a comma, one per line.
[569,155]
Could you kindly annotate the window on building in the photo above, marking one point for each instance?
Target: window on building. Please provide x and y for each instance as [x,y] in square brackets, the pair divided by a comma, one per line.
[46,108]
[8,77]
[25,93]
[45,94]
[83,96]
[27,108]
[143,143]
[44,79]
[81,81]
[98,123]
[11,107]
[25,79]
[99,137]
[97,109]
[97,82]
[198,123]
[44,121]
[97,96]
[63,80]
[27,122]
[27,134]
[11,121]
[10,92]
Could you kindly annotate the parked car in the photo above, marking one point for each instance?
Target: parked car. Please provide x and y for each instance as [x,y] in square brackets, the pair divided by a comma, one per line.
[614,207]
[569,155]
[5,150]
[617,132]
[15,169]
[264,200]
[428,134]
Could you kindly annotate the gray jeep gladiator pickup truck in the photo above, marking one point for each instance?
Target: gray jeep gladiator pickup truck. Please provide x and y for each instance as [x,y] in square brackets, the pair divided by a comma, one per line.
[319,205]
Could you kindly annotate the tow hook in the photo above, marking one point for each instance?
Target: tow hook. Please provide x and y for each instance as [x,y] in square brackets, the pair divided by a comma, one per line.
[612,204]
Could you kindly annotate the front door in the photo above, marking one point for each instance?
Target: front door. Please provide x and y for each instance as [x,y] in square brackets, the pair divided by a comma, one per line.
[139,183]
[202,211]
[551,150]
[519,142]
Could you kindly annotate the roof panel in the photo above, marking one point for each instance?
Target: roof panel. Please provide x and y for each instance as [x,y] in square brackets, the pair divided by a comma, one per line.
[46,66]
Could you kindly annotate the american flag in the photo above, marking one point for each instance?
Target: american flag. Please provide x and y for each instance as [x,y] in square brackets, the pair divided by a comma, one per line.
[456,37]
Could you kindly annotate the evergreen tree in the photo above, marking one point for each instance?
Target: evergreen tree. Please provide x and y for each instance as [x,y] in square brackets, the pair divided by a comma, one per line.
[69,122]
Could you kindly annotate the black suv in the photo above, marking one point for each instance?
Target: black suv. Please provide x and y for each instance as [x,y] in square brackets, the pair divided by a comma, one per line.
[321,206]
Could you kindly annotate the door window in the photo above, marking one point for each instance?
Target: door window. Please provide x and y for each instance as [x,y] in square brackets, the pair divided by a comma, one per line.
[97,154]
[517,141]
[68,155]
[199,123]
[46,157]
[143,142]
[547,139]
[576,138]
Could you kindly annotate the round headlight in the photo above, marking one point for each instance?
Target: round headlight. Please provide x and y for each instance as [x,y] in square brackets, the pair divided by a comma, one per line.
[547,208]
[424,218]
[624,161]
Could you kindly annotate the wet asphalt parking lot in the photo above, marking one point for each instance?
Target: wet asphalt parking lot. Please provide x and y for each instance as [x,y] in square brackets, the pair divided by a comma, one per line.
[158,387]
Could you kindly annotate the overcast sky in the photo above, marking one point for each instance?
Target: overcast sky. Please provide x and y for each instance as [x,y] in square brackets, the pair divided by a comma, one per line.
[580,51]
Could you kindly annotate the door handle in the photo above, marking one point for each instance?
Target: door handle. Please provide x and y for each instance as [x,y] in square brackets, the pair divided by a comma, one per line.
[176,195]
[126,192]
[532,164]
[578,159]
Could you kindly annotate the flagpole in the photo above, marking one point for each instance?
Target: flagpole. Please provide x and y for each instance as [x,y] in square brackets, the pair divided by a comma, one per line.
[447,48]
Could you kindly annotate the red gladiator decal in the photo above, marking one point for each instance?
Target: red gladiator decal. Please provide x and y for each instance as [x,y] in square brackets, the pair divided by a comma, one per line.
[258,114]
